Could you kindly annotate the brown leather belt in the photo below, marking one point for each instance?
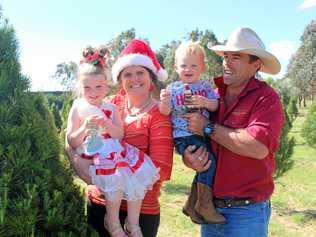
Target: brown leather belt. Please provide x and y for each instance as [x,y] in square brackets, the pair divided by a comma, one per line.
[232,202]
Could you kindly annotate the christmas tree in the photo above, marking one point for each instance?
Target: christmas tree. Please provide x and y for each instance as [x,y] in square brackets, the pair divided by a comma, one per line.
[37,194]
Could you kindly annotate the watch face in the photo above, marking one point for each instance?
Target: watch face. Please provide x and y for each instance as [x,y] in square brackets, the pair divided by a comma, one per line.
[208,129]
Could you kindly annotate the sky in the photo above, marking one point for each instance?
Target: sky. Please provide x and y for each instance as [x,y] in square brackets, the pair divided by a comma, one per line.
[55,31]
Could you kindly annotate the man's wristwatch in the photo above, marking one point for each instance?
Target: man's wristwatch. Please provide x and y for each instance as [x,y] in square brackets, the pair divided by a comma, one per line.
[208,129]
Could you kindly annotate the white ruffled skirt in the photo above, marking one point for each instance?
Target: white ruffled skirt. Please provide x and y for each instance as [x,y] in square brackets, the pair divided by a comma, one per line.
[119,166]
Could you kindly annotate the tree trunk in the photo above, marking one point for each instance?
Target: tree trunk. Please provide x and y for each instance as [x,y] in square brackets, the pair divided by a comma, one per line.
[300,101]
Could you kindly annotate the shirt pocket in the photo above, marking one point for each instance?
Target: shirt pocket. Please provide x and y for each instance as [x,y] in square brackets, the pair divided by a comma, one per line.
[237,119]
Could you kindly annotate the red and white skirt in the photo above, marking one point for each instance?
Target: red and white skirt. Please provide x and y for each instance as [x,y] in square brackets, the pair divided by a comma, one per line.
[119,166]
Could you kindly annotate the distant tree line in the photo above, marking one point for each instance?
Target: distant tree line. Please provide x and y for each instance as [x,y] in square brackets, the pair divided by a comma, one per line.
[299,84]
[302,67]
[301,78]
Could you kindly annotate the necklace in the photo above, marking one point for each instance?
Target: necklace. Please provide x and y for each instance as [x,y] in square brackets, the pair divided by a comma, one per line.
[135,112]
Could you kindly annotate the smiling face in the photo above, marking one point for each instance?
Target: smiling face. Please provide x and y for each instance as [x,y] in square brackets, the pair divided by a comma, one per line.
[136,81]
[93,88]
[189,67]
[238,69]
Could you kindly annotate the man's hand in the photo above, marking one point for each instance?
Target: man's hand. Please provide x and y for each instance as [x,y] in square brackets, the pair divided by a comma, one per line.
[196,123]
[197,160]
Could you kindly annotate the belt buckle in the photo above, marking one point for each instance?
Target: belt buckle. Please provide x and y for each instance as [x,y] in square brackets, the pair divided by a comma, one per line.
[247,202]
[229,202]
[235,202]
[232,202]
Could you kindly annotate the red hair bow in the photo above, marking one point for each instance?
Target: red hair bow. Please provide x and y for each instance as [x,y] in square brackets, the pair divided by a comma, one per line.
[95,59]
[107,113]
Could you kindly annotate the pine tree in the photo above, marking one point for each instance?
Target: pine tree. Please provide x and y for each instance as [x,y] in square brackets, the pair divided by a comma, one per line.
[284,159]
[292,109]
[37,194]
[309,126]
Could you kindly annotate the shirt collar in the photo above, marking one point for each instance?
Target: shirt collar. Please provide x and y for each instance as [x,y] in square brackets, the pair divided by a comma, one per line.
[252,84]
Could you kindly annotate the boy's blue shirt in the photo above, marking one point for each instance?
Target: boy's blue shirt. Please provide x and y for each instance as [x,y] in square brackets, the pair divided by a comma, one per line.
[179,123]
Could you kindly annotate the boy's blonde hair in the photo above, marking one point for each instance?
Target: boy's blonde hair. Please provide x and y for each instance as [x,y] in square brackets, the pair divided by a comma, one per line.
[190,47]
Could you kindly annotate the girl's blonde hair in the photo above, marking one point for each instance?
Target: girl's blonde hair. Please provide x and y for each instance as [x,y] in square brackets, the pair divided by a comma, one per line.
[190,48]
[94,62]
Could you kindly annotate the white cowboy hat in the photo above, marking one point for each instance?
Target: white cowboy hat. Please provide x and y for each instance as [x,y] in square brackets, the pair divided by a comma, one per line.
[245,40]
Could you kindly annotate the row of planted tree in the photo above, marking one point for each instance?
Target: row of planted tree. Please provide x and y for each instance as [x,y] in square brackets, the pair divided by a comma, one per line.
[301,73]
[38,196]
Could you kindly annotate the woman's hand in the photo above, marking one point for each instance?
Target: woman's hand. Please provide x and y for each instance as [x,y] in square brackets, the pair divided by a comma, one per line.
[93,190]
[80,165]
[196,160]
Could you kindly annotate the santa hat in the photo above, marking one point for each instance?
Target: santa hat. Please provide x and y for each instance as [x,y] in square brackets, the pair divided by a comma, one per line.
[138,53]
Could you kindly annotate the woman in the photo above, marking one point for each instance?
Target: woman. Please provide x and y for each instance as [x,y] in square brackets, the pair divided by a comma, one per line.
[145,128]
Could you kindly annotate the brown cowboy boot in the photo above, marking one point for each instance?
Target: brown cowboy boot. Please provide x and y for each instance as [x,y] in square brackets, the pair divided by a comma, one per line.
[188,208]
[204,205]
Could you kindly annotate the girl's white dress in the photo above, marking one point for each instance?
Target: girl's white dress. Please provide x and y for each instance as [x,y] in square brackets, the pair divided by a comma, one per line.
[117,166]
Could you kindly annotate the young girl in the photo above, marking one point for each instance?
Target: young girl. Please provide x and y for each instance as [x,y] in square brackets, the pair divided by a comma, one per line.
[95,129]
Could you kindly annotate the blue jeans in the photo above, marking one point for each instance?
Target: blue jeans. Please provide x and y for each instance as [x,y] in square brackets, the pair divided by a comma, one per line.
[205,177]
[242,221]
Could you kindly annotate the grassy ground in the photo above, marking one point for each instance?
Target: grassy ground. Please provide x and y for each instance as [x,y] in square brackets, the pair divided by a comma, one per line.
[294,199]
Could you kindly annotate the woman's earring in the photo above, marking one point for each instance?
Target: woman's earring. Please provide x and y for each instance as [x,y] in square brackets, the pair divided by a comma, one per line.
[122,92]
[151,88]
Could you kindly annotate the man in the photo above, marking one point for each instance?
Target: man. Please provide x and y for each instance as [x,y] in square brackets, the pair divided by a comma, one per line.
[245,137]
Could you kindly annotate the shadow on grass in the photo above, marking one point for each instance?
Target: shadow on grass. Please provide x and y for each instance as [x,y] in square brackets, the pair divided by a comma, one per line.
[309,214]
[176,188]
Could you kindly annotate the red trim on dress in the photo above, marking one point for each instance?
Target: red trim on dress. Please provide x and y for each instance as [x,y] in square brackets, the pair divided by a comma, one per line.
[123,164]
